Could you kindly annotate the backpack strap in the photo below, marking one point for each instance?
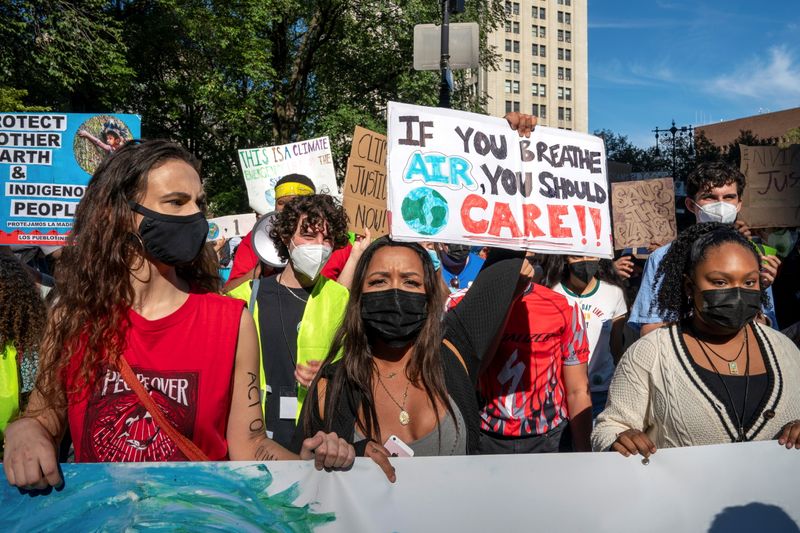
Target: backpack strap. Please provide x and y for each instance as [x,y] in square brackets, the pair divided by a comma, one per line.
[251,306]
[189,448]
[455,351]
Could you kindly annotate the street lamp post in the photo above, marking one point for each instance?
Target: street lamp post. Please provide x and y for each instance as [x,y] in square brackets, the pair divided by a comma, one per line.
[444,87]
[682,132]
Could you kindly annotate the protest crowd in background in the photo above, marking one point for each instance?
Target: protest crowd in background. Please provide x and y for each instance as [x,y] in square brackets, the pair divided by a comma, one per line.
[143,339]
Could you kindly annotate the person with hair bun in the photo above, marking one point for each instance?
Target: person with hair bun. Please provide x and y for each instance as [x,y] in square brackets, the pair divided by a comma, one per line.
[141,358]
[713,374]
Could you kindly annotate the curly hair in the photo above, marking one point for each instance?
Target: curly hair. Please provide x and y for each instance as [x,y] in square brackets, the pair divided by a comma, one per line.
[687,251]
[89,320]
[713,174]
[320,210]
[22,310]
[355,372]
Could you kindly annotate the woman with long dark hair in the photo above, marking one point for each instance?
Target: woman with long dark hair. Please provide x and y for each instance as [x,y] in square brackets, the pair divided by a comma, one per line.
[405,372]
[141,358]
[714,374]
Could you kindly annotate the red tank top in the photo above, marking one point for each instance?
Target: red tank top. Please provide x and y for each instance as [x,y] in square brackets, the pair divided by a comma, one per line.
[185,361]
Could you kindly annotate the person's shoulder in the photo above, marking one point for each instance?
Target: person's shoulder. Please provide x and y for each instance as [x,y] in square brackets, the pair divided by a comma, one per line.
[213,299]
[649,348]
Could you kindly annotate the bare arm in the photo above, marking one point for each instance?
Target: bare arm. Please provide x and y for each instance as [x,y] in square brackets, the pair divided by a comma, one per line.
[579,404]
[348,271]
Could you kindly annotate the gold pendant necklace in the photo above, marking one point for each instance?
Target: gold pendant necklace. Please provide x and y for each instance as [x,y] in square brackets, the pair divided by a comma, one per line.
[405,418]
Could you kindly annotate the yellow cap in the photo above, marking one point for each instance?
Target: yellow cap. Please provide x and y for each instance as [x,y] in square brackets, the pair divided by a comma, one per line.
[292,189]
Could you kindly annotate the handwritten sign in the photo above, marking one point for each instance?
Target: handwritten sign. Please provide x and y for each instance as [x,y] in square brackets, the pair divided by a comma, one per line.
[46,161]
[465,178]
[643,212]
[772,196]
[262,167]
[365,184]
[230,226]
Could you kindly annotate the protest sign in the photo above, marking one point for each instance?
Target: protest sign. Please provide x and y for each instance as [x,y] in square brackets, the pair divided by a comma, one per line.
[262,167]
[643,212]
[465,178]
[230,226]
[46,161]
[365,184]
[772,196]
[750,482]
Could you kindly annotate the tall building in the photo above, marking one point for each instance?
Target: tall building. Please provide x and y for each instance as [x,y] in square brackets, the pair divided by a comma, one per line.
[544,63]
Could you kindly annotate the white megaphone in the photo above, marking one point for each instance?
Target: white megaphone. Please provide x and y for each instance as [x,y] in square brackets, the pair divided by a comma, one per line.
[262,243]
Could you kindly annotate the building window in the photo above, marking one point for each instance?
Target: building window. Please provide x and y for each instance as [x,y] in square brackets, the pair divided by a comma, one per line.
[508,26]
[516,47]
[568,113]
[567,18]
[508,106]
[560,17]
[561,36]
[560,93]
[568,74]
[515,27]
[560,71]
[567,93]
[512,8]
[535,89]
[567,36]
[542,31]
[542,13]
[567,53]
[516,66]
[542,71]
[534,31]
[567,2]
[535,110]
[542,91]
[516,107]
[535,12]
[560,113]
[508,65]
[508,86]
[508,46]
[560,2]
[560,51]
[515,87]
[542,51]
[542,111]
[534,49]
[534,69]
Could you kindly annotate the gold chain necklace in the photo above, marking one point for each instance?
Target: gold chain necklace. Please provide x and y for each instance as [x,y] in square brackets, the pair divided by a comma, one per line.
[405,418]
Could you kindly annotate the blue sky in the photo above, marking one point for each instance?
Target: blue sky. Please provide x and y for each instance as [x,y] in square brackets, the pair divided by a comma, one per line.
[695,61]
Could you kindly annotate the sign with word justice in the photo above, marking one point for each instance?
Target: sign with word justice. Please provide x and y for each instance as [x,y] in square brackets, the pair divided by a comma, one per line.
[263,167]
[46,161]
[464,178]
[772,196]
[365,184]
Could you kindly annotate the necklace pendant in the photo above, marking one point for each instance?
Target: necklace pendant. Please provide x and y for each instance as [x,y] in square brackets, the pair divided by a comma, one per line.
[405,418]
[734,368]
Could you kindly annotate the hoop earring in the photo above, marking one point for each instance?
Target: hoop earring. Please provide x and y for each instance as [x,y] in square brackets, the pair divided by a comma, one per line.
[135,237]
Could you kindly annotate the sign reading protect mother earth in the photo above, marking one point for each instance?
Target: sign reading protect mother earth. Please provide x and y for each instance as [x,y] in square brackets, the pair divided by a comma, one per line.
[464,178]
[46,161]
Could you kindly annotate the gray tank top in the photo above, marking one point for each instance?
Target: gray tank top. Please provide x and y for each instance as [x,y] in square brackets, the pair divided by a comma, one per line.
[450,438]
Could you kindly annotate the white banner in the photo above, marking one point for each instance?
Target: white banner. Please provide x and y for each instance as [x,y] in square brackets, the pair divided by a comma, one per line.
[262,167]
[230,226]
[748,487]
[466,178]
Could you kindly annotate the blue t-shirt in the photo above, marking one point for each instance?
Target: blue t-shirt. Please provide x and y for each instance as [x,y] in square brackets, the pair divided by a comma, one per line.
[467,276]
[641,312]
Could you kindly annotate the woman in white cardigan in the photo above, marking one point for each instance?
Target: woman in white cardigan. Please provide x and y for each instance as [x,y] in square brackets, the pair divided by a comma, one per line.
[714,375]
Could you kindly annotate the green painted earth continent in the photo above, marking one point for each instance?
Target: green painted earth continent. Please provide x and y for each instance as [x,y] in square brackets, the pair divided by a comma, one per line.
[425,211]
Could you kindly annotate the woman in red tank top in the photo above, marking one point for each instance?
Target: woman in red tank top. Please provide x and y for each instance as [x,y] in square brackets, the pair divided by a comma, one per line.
[137,291]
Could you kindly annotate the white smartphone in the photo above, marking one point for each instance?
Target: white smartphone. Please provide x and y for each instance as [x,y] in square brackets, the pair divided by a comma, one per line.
[398,448]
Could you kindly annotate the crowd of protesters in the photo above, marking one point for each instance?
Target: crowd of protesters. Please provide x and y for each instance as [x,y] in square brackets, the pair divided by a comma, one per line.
[350,347]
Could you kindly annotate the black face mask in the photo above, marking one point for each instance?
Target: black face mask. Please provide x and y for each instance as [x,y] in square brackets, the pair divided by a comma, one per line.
[395,316]
[730,309]
[458,253]
[172,239]
[584,270]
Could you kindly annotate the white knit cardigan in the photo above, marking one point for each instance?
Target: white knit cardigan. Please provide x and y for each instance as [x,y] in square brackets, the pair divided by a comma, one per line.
[656,389]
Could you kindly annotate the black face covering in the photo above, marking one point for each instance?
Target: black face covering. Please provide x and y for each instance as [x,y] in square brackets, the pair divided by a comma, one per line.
[584,270]
[730,309]
[458,253]
[172,239]
[395,316]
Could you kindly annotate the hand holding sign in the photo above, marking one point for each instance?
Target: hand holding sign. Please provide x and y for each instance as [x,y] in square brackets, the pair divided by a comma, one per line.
[465,178]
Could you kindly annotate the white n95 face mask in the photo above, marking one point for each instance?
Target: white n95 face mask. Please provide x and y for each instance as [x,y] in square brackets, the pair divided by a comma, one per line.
[716,212]
[308,259]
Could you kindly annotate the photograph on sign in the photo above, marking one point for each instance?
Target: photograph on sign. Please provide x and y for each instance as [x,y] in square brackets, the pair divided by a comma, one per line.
[263,167]
[465,178]
[364,191]
[643,213]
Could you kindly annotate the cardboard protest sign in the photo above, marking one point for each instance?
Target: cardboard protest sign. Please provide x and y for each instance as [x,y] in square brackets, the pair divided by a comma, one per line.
[365,184]
[643,212]
[262,167]
[230,226]
[46,161]
[466,178]
[772,196]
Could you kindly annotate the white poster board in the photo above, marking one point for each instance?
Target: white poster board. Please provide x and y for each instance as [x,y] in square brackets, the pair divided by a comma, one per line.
[262,167]
[230,226]
[466,178]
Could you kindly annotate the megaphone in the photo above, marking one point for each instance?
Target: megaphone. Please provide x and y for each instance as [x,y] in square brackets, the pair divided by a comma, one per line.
[263,244]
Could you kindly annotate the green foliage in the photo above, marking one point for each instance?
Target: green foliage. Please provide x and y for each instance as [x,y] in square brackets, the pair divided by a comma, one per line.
[11,101]
[791,137]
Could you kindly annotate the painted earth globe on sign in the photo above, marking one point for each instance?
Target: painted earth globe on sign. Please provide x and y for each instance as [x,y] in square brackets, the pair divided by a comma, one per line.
[425,211]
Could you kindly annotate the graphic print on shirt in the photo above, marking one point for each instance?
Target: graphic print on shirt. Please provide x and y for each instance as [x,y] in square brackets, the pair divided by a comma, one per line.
[118,428]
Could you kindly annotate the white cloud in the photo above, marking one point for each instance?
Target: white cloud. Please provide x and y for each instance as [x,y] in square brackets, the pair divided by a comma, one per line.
[773,80]
[617,73]
[629,24]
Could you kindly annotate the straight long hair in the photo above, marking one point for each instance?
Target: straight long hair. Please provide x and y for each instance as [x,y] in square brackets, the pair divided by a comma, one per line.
[353,379]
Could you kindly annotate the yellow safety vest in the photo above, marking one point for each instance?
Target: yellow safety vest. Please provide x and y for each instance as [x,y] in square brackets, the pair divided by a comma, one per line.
[9,386]
[322,316]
